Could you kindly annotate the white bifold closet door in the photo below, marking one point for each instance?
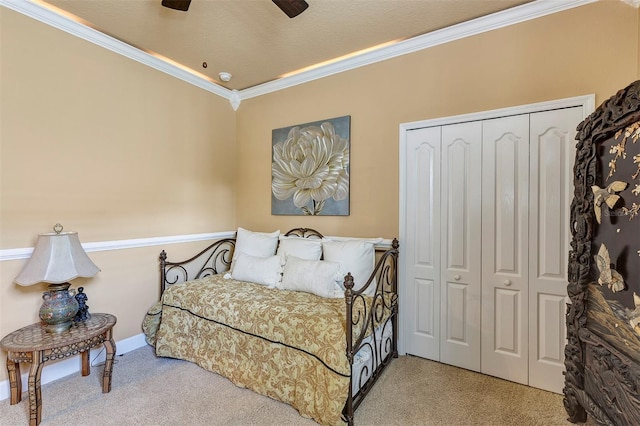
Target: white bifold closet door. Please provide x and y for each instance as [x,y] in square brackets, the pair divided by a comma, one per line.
[461,245]
[505,248]
[527,171]
[444,185]
[423,242]
[552,154]
[487,233]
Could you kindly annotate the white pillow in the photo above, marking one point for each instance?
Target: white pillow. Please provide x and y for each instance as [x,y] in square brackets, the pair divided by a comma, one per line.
[302,248]
[355,256]
[260,270]
[259,244]
[312,276]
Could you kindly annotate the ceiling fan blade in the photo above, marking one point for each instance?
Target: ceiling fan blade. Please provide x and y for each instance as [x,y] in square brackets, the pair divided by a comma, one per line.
[292,8]
[177,4]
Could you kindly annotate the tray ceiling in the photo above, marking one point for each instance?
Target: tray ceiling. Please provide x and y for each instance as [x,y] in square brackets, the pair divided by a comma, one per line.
[257,43]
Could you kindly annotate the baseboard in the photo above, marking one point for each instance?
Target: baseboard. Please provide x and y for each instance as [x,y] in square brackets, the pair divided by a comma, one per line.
[58,370]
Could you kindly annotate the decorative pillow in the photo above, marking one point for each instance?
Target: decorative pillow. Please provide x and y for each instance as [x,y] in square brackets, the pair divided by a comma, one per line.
[302,248]
[259,244]
[260,270]
[355,256]
[312,276]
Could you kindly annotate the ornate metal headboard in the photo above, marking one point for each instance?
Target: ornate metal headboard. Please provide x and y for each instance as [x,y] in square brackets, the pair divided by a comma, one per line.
[214,259]
[304,233]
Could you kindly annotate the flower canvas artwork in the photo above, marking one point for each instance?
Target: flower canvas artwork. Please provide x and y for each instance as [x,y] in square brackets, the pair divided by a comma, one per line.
[310,168]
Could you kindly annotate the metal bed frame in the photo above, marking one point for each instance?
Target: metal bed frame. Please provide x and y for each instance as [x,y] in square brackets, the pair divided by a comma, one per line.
[381,312]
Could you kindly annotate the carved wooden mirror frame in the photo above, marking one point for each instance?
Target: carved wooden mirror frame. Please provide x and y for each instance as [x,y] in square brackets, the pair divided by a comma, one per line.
[618,112]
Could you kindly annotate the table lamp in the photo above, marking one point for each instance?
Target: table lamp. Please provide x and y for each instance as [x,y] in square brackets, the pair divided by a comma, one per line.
[57,258]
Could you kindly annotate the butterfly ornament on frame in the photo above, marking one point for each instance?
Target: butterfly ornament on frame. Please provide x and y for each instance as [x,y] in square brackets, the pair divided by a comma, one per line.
[606,196]
[608,276]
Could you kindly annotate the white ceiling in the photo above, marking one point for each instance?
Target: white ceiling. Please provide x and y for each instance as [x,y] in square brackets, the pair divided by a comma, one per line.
[256,42]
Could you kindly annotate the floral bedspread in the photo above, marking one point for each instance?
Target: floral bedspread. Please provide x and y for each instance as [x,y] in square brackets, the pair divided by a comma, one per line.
[287,345]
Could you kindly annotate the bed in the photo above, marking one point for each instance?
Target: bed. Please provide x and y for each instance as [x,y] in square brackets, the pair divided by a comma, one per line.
[317,339]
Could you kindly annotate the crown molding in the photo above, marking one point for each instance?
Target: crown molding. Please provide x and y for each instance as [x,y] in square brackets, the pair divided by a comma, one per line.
[634,3]
[49,16]
[494,21]
[526,12]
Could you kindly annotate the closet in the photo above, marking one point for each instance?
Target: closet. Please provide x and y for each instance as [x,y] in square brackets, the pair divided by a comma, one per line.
[484,219]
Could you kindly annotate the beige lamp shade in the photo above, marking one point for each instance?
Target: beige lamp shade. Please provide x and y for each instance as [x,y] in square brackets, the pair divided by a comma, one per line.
[57,258]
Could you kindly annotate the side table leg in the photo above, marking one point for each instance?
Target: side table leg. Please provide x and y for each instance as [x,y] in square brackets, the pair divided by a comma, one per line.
[35,396]
[86,367]
[110,346]
[13,368]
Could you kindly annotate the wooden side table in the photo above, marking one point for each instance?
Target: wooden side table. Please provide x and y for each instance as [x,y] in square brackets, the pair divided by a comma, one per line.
[34,345]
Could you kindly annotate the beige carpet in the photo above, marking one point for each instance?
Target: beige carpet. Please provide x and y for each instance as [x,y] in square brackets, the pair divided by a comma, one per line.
[156,391]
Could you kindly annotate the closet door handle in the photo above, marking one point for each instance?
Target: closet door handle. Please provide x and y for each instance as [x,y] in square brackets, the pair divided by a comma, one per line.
[456,277]
[507,282]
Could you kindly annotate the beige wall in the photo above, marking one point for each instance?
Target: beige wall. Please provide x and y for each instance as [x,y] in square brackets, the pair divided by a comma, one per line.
[105,145]
[116,150]
[591,49]
[109,148]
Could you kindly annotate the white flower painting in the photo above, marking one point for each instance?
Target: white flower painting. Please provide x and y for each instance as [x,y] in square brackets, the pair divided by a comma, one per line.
[310,168]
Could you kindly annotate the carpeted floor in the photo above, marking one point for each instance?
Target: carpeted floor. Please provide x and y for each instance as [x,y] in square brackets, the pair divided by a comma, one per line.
[157,391]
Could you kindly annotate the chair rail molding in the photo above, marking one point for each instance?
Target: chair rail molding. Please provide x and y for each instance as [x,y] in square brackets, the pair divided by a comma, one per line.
[25,253]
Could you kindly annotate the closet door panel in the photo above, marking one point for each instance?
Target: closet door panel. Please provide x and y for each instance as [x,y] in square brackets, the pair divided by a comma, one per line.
[552,152]
[423,241]
[505,177]
[507,339]
[461,243]
[551,343]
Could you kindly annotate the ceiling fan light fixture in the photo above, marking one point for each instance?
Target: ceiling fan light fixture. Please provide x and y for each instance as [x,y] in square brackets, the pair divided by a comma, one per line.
[182,5]
[292,8]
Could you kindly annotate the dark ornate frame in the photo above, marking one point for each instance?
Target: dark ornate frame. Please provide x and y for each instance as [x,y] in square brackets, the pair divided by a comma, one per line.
[381,312]
[600,380]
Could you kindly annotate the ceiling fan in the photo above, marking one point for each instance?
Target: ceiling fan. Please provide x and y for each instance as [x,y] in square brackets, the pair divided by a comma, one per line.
[291,7]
